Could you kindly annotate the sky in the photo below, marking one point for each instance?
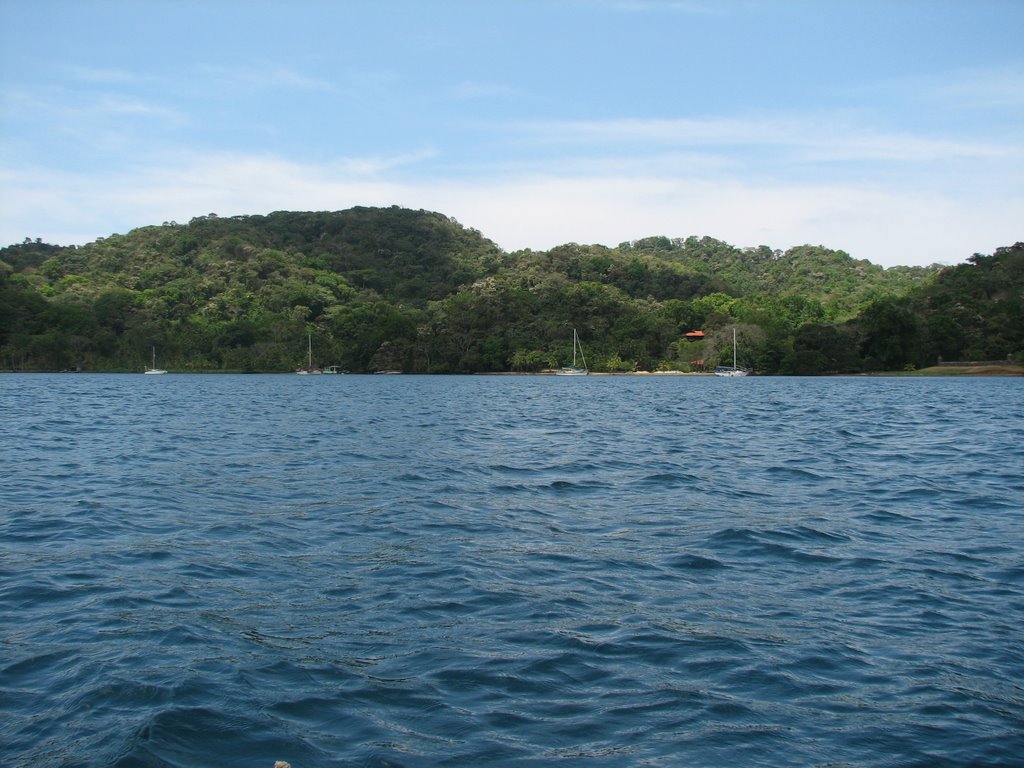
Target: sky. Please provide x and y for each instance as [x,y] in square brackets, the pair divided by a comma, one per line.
[892,130]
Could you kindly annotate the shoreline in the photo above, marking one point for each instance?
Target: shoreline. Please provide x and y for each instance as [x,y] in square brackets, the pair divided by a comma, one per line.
[930,372]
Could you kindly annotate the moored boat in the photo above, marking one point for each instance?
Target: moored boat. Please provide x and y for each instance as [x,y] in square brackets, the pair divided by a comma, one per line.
[309,370]
[732,370]
[152,369]
[574,370]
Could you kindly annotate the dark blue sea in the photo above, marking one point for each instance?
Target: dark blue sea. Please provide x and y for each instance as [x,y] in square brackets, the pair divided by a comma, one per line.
[510,571]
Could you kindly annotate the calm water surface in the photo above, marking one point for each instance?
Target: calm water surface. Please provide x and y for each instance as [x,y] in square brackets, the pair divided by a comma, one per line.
[510,571]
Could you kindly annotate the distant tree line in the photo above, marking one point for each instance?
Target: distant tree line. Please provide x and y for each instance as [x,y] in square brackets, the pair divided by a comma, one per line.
[392,288]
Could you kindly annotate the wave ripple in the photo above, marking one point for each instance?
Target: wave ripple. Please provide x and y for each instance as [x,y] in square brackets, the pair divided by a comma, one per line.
[464,571]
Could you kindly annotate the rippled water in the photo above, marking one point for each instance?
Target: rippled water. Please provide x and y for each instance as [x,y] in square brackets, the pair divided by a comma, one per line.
[520,571]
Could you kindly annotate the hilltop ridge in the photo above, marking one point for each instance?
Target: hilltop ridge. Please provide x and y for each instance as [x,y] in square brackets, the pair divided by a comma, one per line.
[416,290]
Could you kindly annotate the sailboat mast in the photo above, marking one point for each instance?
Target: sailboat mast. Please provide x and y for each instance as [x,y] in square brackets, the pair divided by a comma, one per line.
[734,347]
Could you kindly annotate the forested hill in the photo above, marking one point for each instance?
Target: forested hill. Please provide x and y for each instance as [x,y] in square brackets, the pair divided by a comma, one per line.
[813,271]
[395,252]
[392,288]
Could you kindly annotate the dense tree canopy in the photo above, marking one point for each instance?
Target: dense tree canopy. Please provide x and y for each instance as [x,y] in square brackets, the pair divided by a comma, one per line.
[391,288]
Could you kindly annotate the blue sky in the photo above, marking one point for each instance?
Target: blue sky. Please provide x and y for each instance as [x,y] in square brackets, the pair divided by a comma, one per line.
[891,130]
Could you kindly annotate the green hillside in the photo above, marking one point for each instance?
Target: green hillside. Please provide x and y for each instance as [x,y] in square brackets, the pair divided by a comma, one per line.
[392,288]
[841,283]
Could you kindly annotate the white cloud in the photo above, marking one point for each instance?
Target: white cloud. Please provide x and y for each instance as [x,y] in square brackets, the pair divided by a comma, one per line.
[821,137]
[105,76]
[103,204]
[868,223]
[541,211]
[981,89]
[69,111]
[266,77]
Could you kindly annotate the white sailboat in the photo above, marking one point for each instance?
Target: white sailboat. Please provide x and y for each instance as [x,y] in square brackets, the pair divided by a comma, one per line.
[575,370]
[732,370]
[309,370]
[153,369]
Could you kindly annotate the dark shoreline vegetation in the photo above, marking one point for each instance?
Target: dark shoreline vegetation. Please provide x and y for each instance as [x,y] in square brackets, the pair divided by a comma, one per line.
[415,291]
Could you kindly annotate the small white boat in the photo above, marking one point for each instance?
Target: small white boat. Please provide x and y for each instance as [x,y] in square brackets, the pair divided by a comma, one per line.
[309,370]
[732,370]
[153,369]
[575,370]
